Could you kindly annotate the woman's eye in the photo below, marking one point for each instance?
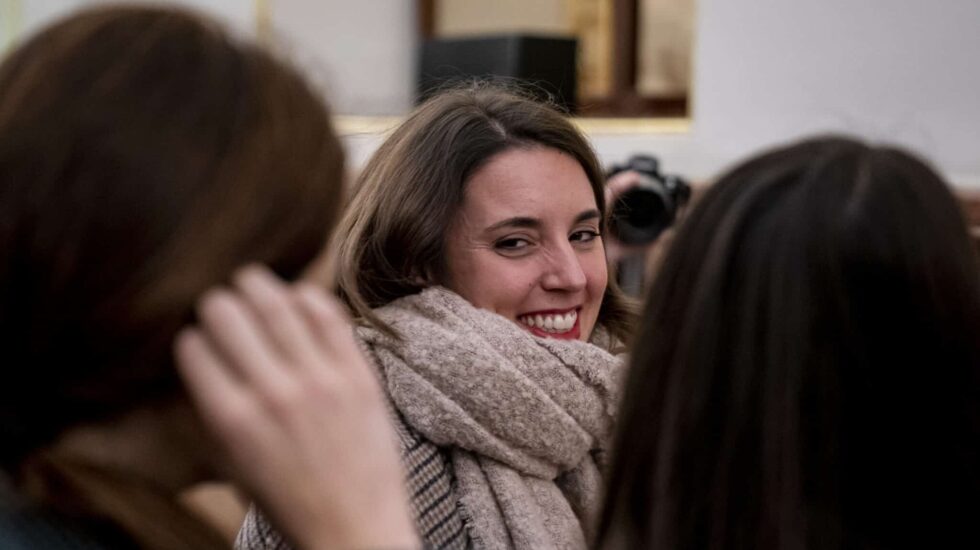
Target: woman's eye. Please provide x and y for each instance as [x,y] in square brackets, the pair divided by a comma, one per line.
[584,236]
[513,243]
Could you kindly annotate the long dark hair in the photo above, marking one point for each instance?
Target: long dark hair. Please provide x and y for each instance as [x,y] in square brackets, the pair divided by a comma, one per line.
[144,156]
[807,367]
[392,236]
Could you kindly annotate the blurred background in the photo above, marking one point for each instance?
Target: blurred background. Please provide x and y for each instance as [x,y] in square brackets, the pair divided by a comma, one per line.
[697,83]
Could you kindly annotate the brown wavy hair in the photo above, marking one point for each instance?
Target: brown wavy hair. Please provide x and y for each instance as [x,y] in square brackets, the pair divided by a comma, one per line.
[391,239]
[144,156]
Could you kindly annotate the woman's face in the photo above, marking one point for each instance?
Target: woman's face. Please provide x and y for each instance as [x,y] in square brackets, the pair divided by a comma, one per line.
[526,243]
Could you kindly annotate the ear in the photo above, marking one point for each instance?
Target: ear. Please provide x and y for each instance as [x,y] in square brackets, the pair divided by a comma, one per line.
[428,276]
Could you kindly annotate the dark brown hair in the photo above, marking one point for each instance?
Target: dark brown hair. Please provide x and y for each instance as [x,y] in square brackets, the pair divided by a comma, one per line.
[807,367]
[391,239]
[144,156]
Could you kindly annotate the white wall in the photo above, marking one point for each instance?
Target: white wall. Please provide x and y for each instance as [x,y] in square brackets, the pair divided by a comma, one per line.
[906,71]
[361,52]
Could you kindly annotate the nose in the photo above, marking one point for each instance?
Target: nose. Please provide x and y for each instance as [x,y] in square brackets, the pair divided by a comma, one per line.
[563,270]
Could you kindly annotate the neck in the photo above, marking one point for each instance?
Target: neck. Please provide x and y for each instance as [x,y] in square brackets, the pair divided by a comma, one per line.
[163,445]
[120,480]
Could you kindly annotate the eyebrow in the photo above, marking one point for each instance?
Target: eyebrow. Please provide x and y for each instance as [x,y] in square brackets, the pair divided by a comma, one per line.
[529,222]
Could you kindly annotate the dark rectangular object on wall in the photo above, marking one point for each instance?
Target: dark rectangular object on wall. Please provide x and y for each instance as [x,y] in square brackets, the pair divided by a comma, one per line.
[545,65]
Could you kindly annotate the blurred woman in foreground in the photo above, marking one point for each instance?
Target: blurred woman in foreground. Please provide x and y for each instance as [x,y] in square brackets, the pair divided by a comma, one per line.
[145,157]
[807,368]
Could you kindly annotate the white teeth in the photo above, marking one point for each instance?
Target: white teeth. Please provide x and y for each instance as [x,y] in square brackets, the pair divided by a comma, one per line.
[551,323]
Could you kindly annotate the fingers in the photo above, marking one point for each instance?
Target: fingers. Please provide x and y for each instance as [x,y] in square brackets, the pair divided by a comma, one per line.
[239,337]
[277,309]
[325,316]
[259,328]
[267,326]
[276,338]
[212,386]
[331,327]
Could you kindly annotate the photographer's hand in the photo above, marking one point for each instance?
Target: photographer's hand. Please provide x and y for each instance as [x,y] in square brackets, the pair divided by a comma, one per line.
[278,379]
[616,185]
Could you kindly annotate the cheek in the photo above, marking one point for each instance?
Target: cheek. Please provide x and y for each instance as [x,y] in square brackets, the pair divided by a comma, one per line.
[505,286]
[597,275]
[461,269]
[490,282]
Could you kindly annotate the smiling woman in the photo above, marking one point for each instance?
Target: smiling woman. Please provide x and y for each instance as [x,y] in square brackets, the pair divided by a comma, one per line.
[526,243]
[478,151]
[472,253]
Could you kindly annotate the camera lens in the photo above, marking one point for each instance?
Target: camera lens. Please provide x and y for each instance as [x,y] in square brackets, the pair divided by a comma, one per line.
[646,210]
[641,214]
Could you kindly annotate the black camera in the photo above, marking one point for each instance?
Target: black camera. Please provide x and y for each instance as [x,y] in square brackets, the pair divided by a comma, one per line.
[643,212]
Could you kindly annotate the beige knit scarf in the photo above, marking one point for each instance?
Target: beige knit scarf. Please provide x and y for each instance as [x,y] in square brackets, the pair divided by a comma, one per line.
[525,418]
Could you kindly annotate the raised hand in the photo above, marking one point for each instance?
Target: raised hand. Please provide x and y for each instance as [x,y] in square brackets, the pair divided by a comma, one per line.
[278,379]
